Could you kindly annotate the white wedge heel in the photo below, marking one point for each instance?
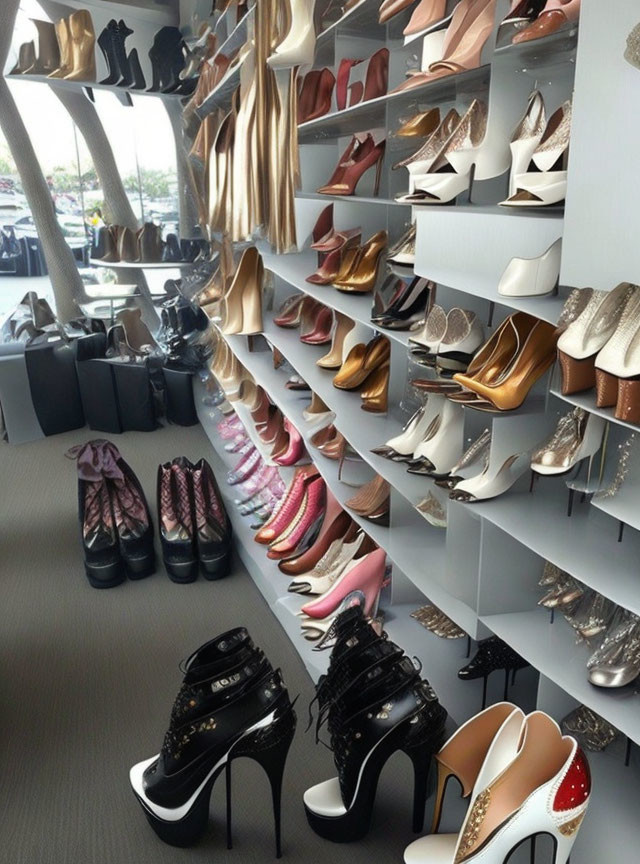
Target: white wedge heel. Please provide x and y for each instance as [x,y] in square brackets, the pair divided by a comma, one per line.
[532,277]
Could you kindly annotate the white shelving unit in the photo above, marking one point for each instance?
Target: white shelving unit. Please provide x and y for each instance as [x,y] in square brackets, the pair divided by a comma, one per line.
[141,265]
[483,570]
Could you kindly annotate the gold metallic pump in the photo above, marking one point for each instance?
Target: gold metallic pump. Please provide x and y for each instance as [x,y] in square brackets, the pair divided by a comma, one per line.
[64,43]
[364,270]
[83,41]
[532,359]
[375,394]
[242,304]
[420,125]
[497,353]
[361,362]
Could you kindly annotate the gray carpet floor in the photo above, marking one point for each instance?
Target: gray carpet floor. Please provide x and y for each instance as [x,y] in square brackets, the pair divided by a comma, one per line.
[88,679]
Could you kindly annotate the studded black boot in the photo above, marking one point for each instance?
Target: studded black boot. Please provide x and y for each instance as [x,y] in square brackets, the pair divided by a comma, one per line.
[231,703]
[374,703]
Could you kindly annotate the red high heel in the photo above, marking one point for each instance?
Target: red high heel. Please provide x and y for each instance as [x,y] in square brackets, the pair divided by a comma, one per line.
[327,272]
[357,148]
[335,524]
[321,333]
[314,99]
[335,239]
[323,229]
[375,82]
[354,170]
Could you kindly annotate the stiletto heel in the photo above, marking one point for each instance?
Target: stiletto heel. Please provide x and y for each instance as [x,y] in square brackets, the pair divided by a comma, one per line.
[384,707]
[442,780]
[421,760]
[376,184]
[269,748]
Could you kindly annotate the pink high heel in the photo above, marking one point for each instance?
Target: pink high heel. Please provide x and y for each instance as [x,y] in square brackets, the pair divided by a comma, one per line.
[289,505]
[362,578]
[259,480]
[309,512]
[295,450]
[249,463]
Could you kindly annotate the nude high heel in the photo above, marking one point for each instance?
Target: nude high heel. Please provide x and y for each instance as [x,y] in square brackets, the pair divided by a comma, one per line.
[83,39]
[426,13]
[471,26]
[333,359]
[243,301]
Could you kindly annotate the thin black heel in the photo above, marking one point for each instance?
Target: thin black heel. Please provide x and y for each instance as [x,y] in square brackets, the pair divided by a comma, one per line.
[268,747]
[421,757]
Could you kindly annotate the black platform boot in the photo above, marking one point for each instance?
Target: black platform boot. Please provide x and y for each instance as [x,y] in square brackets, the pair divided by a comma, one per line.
[374,703]
[213,529]
[133,523]
[224,710]
[103,562]
[176,517]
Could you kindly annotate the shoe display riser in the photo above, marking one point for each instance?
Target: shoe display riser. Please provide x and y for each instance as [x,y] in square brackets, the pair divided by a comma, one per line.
[492,237]
[598,247]
[140,265]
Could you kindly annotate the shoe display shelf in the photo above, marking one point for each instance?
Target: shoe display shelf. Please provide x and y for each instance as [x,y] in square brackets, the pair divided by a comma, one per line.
[144,19]
[488,562]
[441,658]
[142,265]
[238,34]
